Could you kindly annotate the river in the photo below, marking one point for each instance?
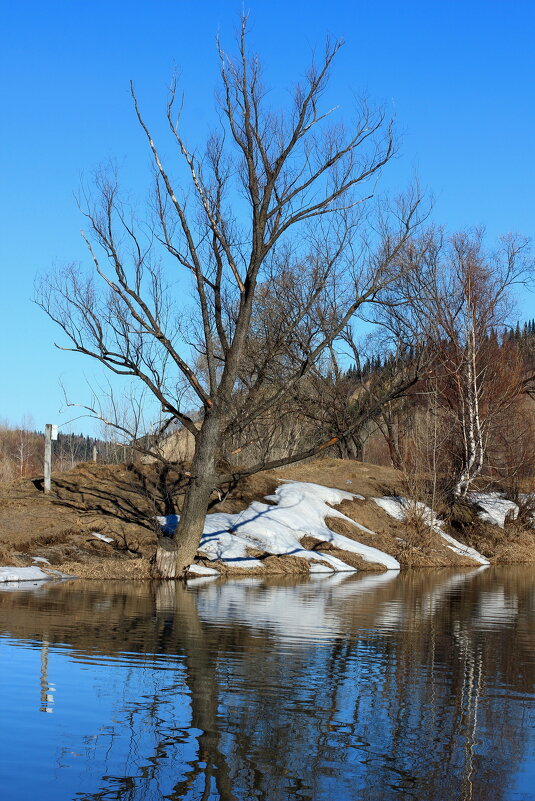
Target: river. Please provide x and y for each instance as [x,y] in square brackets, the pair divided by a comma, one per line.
[419,685]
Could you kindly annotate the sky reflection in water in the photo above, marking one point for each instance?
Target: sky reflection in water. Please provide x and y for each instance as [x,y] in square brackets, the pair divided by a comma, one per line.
[411,686]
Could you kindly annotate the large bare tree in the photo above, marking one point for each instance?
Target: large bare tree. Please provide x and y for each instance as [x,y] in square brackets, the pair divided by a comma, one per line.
[276,210]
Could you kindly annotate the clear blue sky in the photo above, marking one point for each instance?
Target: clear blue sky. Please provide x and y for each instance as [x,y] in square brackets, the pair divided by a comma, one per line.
[459,76]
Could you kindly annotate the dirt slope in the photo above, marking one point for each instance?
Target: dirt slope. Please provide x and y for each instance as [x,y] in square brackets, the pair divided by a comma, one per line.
[117,501]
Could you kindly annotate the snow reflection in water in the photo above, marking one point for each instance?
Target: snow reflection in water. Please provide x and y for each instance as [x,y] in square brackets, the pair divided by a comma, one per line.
[373,687]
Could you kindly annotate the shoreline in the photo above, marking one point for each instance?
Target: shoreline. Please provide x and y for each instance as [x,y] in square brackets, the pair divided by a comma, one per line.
[326,516]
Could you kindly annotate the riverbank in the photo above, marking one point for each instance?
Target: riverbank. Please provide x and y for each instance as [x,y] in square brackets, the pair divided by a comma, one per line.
[101,521]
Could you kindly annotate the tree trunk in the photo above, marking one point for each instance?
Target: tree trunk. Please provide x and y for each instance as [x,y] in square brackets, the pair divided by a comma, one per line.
[350,447]
[174,556]
[474,449]
[393,452]
[392,441]
[165,562]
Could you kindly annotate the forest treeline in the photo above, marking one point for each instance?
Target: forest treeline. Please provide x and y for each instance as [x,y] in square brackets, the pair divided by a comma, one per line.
[426,431]
[447,412]
[22,451]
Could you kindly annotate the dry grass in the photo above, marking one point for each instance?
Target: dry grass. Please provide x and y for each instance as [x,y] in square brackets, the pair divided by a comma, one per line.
[271,564]
[114,500]
[513,544]
[249,489]
[345,474]
[350,558]
[108,569]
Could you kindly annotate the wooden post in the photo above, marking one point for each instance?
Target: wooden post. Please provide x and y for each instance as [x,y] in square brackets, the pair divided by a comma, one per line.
[94,453]
[48,456]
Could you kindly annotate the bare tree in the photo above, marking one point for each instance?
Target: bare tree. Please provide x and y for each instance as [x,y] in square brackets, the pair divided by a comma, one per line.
[347,405]
[24,445]
[277,193]
[452,306]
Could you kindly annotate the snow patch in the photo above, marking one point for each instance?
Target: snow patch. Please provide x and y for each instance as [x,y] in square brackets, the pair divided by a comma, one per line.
[461,549]
[396,506]
[201,570]
[393,506]
[23,574]
[494,507]
[297,509]
[16,575]
[102,537]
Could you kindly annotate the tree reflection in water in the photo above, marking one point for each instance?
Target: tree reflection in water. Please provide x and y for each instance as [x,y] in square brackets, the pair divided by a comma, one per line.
[376,687]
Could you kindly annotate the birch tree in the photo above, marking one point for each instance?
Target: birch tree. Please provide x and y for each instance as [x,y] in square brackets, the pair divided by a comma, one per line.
[448,304]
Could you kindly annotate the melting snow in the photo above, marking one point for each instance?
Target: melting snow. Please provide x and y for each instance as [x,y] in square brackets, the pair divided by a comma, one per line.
[396,507]
[15,575]
[102,537]
[297,509]
[461,549]
[201,570]
[495,507]
[23,574]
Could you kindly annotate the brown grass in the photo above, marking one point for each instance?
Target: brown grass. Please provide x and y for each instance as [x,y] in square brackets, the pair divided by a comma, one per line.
[513,544]
[114,500]
[276,565]
[350,558]
[411,546]
[108,569]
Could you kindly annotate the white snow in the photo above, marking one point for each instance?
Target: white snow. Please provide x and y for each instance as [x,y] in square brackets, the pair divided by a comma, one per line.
[461,549]
[396,507]
[23,574]
[495,507]
[15,575]
[393,506]
[102,537]
[297,509]
[201,570]
[40,559]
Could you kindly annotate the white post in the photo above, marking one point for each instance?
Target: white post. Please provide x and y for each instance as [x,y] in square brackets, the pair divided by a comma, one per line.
[94,453]
[48,456]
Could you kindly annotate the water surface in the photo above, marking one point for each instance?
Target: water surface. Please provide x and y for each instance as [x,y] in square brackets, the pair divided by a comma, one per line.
[412,686]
